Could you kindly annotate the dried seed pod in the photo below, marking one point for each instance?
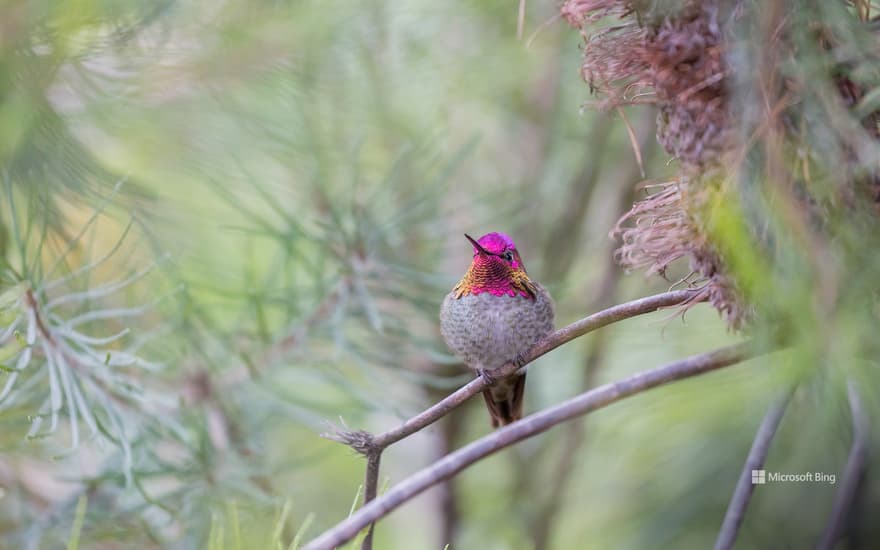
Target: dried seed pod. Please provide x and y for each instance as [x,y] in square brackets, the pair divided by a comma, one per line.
[679,60]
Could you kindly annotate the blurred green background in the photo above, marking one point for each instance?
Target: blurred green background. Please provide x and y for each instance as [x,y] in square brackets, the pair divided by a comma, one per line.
[301,175]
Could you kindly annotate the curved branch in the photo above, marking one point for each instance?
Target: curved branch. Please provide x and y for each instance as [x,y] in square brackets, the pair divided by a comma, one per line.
[523,429]
[852,474]
[372,446]
[366,443]
[744,487]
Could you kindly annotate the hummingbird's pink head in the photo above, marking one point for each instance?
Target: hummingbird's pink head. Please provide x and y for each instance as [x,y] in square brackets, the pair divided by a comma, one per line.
[496,268]
[494,247]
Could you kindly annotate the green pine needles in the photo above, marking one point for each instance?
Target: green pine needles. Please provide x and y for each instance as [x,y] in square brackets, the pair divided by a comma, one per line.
[58,363]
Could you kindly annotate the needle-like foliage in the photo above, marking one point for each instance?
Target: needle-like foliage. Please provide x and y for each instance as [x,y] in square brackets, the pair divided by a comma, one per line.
[227,228]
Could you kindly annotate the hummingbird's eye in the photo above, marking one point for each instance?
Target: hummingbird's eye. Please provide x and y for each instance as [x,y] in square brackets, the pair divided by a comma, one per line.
[508,256]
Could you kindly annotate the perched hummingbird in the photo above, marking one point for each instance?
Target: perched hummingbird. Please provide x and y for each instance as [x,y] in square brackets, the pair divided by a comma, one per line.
[494,314]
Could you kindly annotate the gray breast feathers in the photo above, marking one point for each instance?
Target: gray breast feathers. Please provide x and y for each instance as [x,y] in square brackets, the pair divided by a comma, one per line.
[486,331]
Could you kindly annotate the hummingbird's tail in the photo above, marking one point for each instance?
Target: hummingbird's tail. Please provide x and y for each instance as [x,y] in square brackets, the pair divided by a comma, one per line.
[505,400]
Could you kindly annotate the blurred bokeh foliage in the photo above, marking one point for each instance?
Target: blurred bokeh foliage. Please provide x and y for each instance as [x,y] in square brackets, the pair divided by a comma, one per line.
[226,226]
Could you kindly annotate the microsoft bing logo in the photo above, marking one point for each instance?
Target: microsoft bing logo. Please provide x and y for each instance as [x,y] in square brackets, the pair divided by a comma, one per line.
[761,477]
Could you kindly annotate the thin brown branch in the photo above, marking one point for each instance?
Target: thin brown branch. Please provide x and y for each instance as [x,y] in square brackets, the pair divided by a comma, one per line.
[369,445]
[547,344]
[755,460]
[530,426]
[371,485]
[852,474]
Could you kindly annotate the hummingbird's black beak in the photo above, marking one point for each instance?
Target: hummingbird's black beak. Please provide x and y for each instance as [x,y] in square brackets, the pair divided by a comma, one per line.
[477,245]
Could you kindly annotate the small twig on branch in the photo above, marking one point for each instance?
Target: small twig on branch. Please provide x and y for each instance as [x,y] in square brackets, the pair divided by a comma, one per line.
[855,468]
[744,487]
[523,429]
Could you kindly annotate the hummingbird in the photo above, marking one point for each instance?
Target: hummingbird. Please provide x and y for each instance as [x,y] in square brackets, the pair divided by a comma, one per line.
[494,315]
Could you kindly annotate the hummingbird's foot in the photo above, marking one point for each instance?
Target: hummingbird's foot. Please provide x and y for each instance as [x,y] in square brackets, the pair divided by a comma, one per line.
[520,360]
[486,375]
